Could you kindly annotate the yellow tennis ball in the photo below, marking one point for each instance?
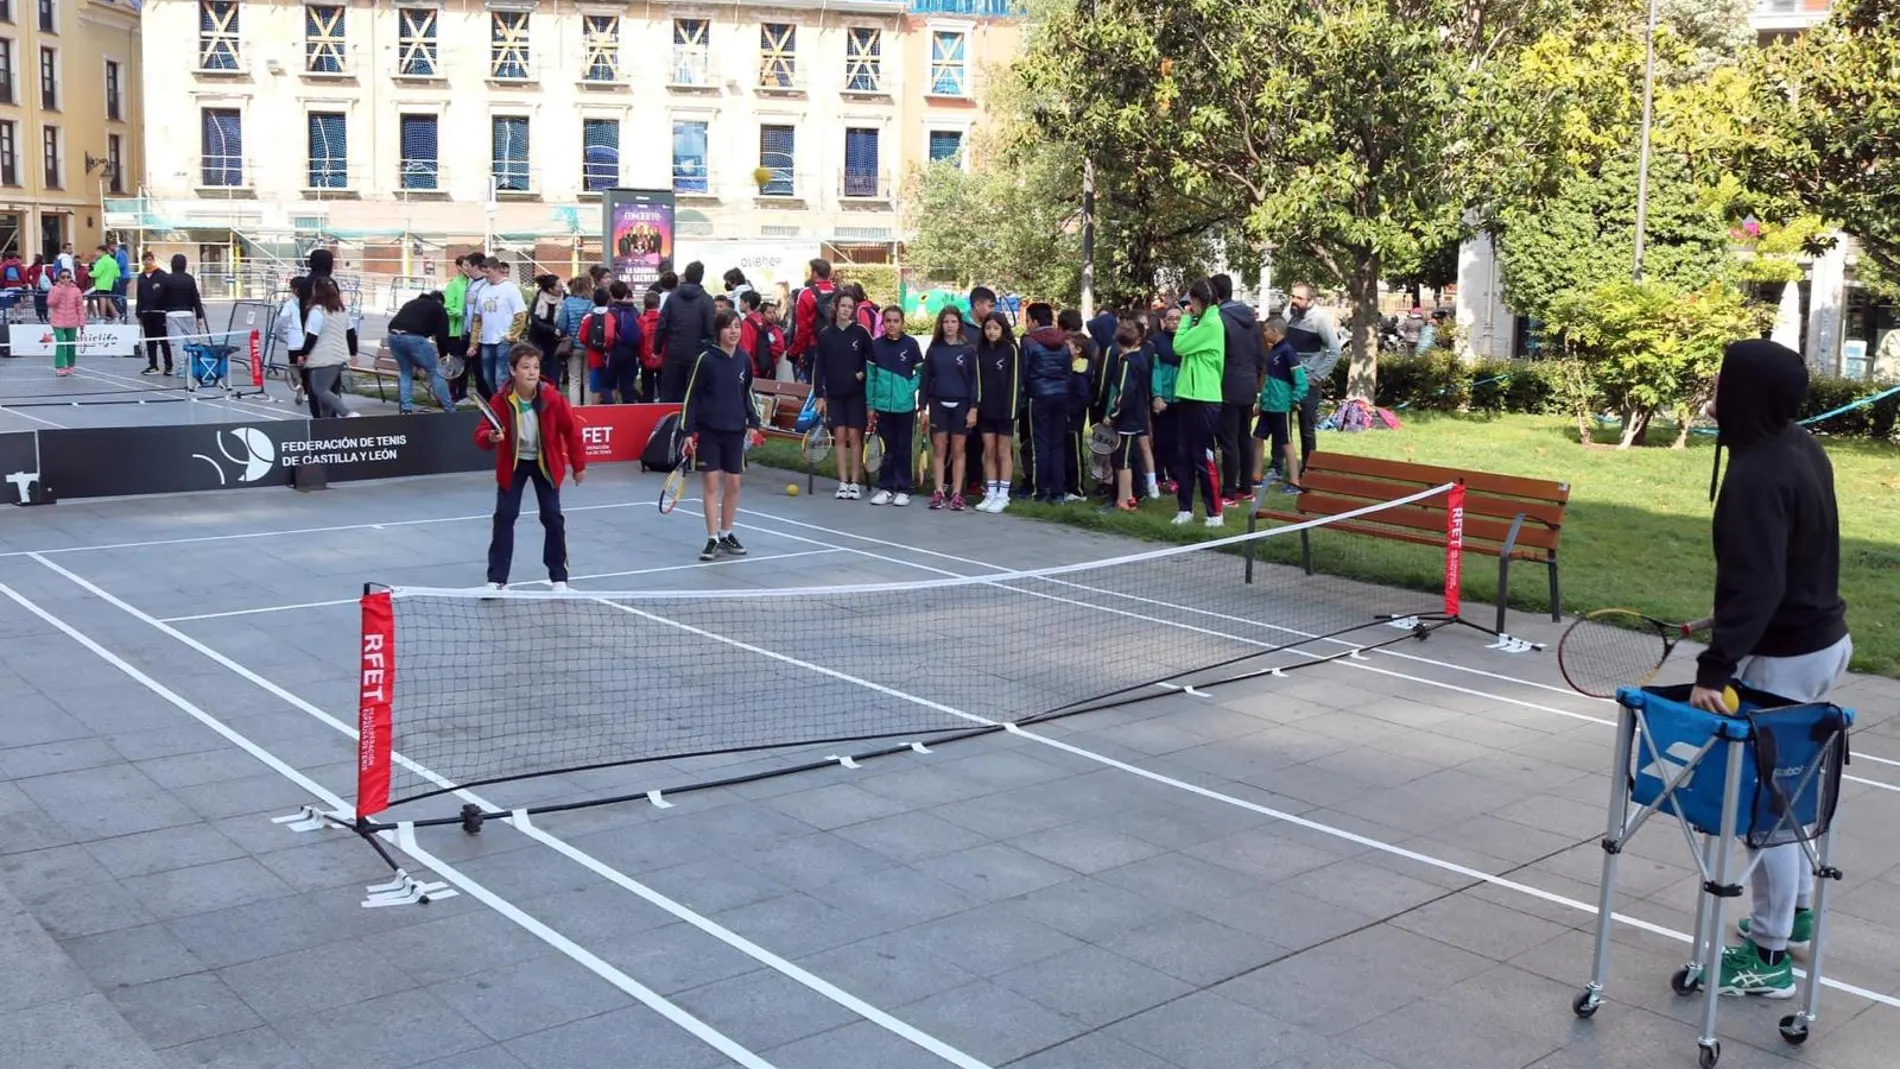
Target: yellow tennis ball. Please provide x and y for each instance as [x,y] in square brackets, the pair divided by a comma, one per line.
[1731,699]
[791,489]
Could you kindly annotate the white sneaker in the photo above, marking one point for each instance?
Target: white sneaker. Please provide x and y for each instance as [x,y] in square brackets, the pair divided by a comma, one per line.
[855,491]
[1073,499]
[1213,521]
[844,492]
[882,497]
[1154,493]
[495,586]
[558,587]
[1000,503]
[1182,519]
[900,500]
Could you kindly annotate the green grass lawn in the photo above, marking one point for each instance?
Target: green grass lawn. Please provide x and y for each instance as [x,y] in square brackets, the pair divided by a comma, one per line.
[1636,535]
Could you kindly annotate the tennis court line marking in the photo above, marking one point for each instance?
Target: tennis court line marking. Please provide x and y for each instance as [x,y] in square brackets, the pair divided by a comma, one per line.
[817,984]
[131,385]
[699,1029]
[535,582]
[1440,684]
[1211,794]
[36,419]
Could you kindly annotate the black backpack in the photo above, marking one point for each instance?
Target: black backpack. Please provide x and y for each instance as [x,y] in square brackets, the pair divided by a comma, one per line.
[821,304]
[595,332]
[662,451]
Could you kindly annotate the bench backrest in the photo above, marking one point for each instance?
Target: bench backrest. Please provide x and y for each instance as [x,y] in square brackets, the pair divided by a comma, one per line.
[780,401]
[1341,482]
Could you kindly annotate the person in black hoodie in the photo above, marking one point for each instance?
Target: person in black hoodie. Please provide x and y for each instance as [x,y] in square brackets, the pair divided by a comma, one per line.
[838,377]
[1780,625]
[1245,372]
[151,305]
[686,328]
[1045,356]
[716,408]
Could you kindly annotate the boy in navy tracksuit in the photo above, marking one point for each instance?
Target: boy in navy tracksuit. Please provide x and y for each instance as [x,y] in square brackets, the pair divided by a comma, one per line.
[1129,398]
[1285,387]
[718,412]
[1045,356]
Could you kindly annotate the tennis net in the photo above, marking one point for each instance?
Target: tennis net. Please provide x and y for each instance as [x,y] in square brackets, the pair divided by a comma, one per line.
[464,688]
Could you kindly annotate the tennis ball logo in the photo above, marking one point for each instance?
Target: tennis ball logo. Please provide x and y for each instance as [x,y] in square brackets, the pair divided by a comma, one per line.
[250,449]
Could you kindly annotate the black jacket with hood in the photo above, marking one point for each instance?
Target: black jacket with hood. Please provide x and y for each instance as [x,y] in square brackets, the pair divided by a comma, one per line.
[1776,531]
[1246,367]
[686,324]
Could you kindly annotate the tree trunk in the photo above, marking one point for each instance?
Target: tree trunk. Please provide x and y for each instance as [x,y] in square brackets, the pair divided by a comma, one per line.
[1363,289]
[1682,435]
[1635,427]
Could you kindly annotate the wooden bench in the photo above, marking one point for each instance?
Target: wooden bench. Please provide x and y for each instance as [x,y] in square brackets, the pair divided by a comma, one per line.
[779,405]
[377,364]
[1506,517]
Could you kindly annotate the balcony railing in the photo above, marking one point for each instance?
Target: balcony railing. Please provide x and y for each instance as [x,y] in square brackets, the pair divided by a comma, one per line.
[864,185]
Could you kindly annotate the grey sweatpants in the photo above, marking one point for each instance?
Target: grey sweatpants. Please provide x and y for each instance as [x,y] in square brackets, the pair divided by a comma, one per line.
[1782,882]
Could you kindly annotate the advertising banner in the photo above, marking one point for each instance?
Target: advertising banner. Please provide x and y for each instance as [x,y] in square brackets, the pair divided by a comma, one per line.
[637,233]
[384,447]
[616,433]
[96,340]
[19,467]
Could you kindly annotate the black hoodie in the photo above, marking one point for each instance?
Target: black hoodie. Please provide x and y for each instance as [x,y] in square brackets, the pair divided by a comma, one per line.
[1246,367]
[1777,532]
[686,324]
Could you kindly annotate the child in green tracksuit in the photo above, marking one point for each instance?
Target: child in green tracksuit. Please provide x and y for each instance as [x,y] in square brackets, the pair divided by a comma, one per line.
[1285,388]
[890,387]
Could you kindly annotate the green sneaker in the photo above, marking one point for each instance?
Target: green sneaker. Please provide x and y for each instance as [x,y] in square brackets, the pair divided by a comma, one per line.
[1802,936]
[1744,973]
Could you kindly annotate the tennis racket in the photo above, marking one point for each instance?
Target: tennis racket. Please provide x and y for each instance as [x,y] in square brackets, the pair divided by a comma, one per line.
[873,455]
[1613,648]
[674,485]
[817,444]
[1103,439]
[488,413]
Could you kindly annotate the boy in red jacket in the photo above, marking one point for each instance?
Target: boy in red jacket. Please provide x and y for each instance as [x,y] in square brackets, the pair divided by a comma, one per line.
[538,441]
[649,360]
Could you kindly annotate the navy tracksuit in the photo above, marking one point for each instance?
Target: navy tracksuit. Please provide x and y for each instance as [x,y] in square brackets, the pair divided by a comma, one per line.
[1046,378]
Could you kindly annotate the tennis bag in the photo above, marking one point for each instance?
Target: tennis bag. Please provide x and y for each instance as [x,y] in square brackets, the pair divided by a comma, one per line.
[662,451]
[807,415]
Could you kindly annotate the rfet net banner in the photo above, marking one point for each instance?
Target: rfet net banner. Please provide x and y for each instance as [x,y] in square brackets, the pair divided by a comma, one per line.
[613,433]
[104,339]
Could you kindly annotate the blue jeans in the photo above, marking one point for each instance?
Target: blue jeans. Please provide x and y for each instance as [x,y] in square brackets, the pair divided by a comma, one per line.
[494,366]
[411,352]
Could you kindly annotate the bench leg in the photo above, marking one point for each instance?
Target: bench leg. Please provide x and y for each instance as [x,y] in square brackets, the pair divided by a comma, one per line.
[1252,519]
[1556,598]
[1306,550]
[1504,567]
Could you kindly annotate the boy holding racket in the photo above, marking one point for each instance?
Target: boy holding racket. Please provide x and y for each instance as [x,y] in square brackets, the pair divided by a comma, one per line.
[1780,625]
[535,438]
[719,414]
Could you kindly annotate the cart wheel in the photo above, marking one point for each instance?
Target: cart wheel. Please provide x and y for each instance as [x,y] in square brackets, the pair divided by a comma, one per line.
[1586,1003]
[1685,981]
[1710,1055]
[1794,1029]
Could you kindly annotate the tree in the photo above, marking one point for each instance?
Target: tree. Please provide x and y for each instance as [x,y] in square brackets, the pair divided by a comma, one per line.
[1363,133]
[1831,98]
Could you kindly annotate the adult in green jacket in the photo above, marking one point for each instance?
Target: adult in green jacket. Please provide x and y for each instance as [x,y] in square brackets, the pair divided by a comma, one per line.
[1199,348]
[455,299]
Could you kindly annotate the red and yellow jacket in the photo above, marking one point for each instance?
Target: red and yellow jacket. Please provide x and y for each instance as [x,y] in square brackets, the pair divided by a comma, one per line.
[560,435]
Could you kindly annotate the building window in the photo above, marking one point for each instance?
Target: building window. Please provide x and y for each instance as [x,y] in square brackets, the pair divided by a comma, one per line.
[415,42]
[6,10]
[600,154]
[419,168]
[689,157]
[223,147]
[778,55]
[49,16]
[55,174]
[777,153]
[691,61]
[218,35]
[323,38]
[49,79]
[6,71]
[329,150]
[946,145]
[860,162]
[510,138]
[9,155]
[115,163]
[863,60]
[600,36]
[508,44]
[115,109]
[948,75]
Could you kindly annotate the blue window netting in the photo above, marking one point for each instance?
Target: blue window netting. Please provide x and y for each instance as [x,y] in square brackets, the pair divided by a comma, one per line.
[689,157]
[329,151]
[946,145]
[419,166]
[777,152]
[860,162]
[947,69]
[511,153]
[600,154]
[223,147]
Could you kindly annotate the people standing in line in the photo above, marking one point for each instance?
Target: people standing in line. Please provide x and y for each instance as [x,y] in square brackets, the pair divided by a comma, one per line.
[839,358]
[718,411]
[1200,348]
[597,334]
[647,362]
[497,321]
[999,399]
[1128,413]
[184,310]
[326,348]
[1084,373]
[574,307]
[891,389]
[1242,371]
[124,260]
[151,311]
[1045,360]
[761,338]
[685,329]
[289,331]
[417,333]
[41,276]
[949,391]
[1286,387]
[811,313]
[1312,333]
[736,286]
[539,442]
[66,307]
[67,262]
[1164,427]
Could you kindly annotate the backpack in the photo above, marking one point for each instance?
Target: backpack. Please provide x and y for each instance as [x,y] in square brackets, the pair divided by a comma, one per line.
[645,332]
[13,276]
[628,344]
[662,451]
[764,359]
[598,331]
[1356,415]
[821,305]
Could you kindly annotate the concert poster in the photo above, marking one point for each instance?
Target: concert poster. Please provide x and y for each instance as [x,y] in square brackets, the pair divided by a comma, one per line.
[638,233]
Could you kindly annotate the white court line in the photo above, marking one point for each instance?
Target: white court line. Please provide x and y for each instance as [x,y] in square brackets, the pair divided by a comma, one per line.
[1359,666]
[540,582]
[725,935]
[36,419]
[700,1030]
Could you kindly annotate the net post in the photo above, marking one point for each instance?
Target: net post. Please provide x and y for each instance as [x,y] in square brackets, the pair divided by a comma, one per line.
[1454,549]
[376,680]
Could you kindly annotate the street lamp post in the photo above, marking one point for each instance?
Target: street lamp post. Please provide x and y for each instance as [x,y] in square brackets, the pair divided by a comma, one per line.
[1642,157]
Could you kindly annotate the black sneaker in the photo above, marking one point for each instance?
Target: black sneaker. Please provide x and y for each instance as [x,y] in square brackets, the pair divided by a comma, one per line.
[711,552]
[730,544]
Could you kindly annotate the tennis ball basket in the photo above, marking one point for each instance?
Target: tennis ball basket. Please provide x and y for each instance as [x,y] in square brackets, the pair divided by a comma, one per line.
[1767,774]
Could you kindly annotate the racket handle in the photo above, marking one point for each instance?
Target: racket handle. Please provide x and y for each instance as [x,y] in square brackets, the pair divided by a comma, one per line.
[1693,626]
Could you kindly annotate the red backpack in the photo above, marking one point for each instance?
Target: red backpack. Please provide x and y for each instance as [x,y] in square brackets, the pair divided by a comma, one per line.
[598,331]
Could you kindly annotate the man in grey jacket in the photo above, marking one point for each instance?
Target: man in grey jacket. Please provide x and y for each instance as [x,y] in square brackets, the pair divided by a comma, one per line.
[1310,330]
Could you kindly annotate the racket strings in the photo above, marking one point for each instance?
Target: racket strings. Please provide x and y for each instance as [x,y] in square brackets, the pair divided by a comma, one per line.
[1596,656]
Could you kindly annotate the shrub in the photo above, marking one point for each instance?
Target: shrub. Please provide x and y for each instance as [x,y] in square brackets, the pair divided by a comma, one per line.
[1877,420]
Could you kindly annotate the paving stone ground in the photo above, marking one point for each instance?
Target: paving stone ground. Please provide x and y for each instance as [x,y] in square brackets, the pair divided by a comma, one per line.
[1379,866]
